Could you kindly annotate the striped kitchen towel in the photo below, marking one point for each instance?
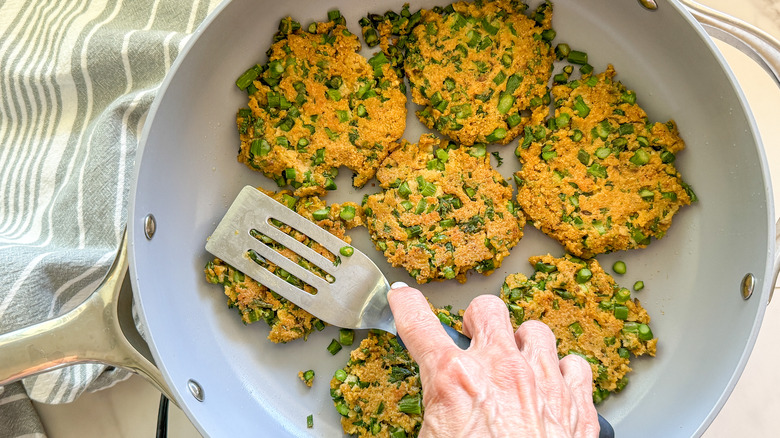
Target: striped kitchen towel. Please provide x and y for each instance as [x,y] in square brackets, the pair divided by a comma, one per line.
[77,78]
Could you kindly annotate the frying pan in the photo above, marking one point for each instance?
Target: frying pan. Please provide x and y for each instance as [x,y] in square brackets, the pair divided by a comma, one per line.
[707,282]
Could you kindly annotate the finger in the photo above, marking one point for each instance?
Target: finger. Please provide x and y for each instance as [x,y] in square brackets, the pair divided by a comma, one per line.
[578,376]
[538,346]
[486,322]
[417,326]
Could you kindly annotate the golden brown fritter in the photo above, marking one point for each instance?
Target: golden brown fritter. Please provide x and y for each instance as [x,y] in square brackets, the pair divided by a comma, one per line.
[442,212]
[317,104]
[378,393]
[255,301]
[587,311]
[481,70]
[600,177]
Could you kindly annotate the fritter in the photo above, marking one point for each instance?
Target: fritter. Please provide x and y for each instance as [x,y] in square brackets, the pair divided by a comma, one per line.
[443,211]
[600,177]
[378,393]
[317,104]
[589,314]
[255,301]
[481,70]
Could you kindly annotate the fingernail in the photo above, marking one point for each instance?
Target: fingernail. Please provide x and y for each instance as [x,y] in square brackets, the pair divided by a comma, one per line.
[398,285]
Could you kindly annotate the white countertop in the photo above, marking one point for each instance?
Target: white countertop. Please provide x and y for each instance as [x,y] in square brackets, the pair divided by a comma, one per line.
[129,409]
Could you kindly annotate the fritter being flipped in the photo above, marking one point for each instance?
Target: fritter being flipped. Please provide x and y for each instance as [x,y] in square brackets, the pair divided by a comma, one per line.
[378,393]
[481,69]
[255,301]
[443,211]
[589,314]
[600,177]
[317,104]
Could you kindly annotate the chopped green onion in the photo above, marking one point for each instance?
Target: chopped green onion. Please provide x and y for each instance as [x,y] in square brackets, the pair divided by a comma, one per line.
[518,312]
[549,155]
[603,152]
[446,223]
[586,69]
[403,190]
[667,157]
[597,170]
[639,285]
[347,212]
[583,157]
[347,251]
[562,120]
[478,150]
[621,312]
[576,329]
[583,275]
[410,404]
[260,147]
[310,421]
[321,214]
[622,295]
[644,332]
[398,432]
[581,107]
[429,189]
[619,267]
[544,267]
[562,50]
[505,102]
[342,409]
[497,134]
[640,157]
[247,78]
[346,336]
[334,347]
[577,57]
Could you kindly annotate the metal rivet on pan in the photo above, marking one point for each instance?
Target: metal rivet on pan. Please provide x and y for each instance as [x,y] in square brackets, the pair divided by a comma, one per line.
[195,390]
[748,284]
[649,4]
[150,226]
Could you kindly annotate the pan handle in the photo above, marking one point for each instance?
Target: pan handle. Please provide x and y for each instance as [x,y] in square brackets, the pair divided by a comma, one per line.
[748,39]
[776,267]
[100,330]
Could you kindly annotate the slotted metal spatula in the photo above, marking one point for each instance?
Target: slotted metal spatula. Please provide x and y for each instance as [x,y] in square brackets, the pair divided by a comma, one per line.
[351,294]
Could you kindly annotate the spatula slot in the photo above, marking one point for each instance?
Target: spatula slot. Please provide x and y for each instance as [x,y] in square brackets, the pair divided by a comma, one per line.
[292,255]
[273,269]
[303,238]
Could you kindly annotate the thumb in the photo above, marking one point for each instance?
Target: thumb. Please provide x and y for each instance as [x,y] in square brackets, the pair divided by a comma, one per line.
[420,330]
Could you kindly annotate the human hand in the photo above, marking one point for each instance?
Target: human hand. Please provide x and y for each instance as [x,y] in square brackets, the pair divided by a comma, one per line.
[504,384]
